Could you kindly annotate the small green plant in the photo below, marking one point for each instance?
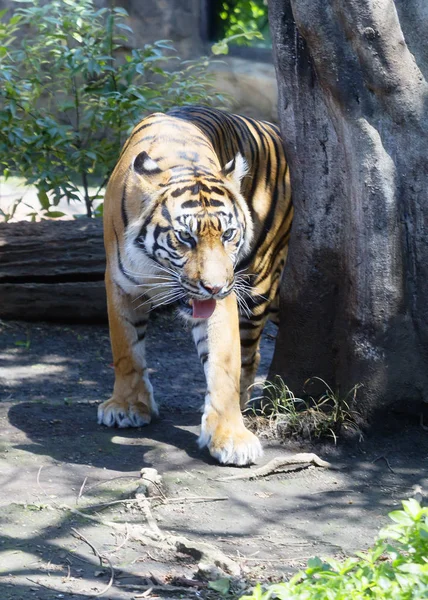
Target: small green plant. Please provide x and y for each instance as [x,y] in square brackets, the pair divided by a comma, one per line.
[396,568]
[286,415]
[24,344]
[71,88]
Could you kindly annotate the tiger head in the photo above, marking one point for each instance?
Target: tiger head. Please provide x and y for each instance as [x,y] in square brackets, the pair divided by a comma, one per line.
[194,227]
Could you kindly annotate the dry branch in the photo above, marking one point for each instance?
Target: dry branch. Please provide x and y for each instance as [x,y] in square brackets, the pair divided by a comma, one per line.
[163,539]
[278,463]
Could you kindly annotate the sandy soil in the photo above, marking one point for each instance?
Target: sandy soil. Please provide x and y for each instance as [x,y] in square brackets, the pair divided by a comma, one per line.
[52,377]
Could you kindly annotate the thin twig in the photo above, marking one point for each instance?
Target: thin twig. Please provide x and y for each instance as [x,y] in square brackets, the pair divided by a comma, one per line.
[41,584]
[386,460]
[82,487]
[195,499]
[80,536]
[101,557]
[161,588]
[185,582]
[124,541]
[163,499]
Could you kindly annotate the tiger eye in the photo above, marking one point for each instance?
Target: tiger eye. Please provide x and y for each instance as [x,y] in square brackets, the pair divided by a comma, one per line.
[228,234]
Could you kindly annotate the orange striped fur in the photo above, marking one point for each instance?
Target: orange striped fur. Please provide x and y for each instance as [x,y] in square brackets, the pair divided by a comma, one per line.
[198,214]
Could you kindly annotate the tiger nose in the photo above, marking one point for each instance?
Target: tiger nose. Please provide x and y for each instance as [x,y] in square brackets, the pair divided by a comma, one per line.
[212,289]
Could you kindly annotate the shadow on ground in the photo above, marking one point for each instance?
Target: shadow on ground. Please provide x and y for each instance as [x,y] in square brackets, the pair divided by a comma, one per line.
[55,459]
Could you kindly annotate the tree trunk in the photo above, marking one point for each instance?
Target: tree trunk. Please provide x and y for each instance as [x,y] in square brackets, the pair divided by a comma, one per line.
[353,113]
[52,271]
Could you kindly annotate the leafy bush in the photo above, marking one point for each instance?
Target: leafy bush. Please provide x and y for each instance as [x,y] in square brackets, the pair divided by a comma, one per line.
[396,568]
[71,88]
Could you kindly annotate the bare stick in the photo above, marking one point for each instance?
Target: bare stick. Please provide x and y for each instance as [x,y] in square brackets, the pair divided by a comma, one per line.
[124,541]
[195,499]
[100,557]
[41,584]
[163,588]
[80,536]
[276,464]
[386,460]
[82,487]
[164,500]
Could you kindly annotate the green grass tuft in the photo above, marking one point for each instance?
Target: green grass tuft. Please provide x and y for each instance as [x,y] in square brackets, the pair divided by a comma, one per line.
[286,416]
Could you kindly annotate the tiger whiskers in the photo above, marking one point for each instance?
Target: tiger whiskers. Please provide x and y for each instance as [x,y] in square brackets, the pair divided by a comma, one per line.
[162,298]
[242,304]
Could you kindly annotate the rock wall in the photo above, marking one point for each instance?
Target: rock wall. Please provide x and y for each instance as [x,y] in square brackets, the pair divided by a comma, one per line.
[176,20]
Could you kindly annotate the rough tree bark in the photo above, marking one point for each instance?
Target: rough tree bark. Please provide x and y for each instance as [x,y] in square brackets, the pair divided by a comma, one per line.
[353,113]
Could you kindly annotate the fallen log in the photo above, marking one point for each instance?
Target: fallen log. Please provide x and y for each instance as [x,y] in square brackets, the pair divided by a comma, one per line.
[53,271]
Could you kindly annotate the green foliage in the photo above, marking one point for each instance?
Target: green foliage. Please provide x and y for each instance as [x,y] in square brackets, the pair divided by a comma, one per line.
[396,568]
[222,47]
[238,17]
[311,418]
[70,90]
[221,585]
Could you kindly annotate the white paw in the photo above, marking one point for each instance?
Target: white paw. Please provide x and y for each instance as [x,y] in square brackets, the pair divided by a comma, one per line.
[113,414]
[231,447]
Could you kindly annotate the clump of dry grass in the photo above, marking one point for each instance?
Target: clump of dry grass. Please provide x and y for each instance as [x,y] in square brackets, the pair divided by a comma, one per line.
[279,413]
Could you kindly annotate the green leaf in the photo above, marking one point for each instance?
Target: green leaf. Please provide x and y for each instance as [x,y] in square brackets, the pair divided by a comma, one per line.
[43,199]
[99,211]
[412,508]
[220,48]
[220,585]
[54,214]
[118,10]
[315,563]
[399,516]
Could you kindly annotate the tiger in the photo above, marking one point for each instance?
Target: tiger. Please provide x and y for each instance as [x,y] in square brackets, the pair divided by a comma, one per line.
[197,213]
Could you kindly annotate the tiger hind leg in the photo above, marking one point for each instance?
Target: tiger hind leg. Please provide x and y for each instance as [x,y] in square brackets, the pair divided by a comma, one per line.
[132,403]
[250,332]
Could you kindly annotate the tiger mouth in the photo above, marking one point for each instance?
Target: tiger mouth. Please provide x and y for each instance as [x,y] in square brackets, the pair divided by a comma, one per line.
[198,309]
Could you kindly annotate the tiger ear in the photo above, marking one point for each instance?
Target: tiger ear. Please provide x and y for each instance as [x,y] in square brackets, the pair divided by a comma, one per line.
[148,168]
[235,170]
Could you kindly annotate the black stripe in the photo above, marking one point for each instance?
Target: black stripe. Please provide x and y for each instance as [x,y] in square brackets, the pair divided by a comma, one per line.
[191,204]
[214,202]
[165,213]
[249,325]
[119,261]
[123,202]
[249,343]
[180,191]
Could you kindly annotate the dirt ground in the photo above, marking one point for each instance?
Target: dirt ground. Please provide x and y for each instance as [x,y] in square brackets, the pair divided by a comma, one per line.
[55,460]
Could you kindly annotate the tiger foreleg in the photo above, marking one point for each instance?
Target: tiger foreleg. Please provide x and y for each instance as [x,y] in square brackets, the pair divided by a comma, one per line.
[223,429]
[132,403]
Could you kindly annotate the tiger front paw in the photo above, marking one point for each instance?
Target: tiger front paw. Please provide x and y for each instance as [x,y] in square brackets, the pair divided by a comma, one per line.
[123,413]
[229,441]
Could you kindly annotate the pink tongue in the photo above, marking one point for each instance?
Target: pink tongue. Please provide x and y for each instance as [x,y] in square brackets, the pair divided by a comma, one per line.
[203,309]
